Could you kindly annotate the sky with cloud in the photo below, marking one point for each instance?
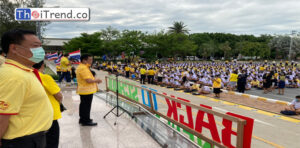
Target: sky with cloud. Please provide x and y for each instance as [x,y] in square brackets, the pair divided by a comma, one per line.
[227,16]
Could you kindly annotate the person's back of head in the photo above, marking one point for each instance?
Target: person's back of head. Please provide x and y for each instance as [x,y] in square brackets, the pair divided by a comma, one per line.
[84,57]
[15,36]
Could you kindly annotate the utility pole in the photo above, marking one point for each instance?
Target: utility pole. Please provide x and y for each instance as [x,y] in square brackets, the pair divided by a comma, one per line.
[291,44]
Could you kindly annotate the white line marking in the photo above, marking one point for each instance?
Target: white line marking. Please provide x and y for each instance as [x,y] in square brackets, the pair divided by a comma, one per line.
[220,109]
[264,122]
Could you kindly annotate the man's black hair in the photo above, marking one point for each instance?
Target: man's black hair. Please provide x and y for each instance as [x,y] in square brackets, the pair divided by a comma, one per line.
[298,96]
[38,65]
[85,57]
[15,36]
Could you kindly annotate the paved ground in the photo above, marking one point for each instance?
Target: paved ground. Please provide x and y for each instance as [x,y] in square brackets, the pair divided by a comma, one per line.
[269,130]
[126,134]
[289,95]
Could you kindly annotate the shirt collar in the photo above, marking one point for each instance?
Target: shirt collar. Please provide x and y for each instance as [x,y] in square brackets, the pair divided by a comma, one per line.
[18,65]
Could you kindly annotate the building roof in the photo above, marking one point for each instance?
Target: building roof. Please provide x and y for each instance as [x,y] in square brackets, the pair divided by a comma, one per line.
[54,41]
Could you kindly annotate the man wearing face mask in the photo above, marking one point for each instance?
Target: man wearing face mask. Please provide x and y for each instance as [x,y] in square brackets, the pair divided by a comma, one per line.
[87,86]
[25,110]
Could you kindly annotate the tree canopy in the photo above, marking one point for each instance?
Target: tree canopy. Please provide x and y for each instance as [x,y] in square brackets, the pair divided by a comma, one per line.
[134,43]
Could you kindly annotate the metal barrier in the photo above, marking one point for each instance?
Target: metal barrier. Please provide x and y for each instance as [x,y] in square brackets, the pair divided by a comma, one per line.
[160,131]
[189,118]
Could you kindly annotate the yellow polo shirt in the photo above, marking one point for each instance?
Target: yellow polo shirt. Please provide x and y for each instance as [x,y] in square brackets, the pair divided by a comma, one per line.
[253,82]
[23,97]
[82,73]
[51,89]
[58,69]
[132,70]
[233,77]
[143,71]
[64,64]
[217,83]
[127,68]
[151,72]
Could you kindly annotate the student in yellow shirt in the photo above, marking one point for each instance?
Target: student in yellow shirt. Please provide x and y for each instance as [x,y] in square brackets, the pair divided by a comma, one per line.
[127,69]
[115,68]
[103,66]
[55,96]
[232,80]
[255,83]
[64,65]
[143,74]
[217,86]
[151,74]
[132,72]
[109,68]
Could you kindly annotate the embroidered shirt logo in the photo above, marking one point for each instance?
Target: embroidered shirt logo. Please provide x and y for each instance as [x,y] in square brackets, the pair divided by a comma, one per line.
[3,105]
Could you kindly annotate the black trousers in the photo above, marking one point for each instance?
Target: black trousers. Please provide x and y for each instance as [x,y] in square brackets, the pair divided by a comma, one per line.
[150,79]
[37,140]
[127,74]
[85,108]
[143,78]
[52,136]
[241,87]
[67,75]
[59,74]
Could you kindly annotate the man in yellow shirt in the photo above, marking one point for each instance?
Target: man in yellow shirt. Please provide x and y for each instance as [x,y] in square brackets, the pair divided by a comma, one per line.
[25,110]
[87,86]
[143,74]
[217,83]
[55,96]
[151,74]
[65,67]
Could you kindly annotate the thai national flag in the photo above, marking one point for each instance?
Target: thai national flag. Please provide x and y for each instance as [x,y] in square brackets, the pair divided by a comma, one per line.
[75,57]
[57,61]
[52,56]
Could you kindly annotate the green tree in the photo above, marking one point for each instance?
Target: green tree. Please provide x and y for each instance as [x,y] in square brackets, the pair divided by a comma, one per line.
[111,41]
[87,43]
[7,18]
[178,27]
[132,42]
[225,47]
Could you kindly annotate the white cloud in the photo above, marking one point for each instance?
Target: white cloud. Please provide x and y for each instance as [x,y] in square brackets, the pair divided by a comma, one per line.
[230,16]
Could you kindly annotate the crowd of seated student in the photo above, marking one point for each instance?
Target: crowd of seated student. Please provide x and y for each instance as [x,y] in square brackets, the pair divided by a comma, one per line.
[192,77]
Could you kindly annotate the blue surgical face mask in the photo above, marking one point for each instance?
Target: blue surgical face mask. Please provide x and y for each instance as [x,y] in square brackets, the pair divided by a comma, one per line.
[38,54]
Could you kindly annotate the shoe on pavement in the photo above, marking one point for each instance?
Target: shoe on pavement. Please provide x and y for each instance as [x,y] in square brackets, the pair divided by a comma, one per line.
[89,124]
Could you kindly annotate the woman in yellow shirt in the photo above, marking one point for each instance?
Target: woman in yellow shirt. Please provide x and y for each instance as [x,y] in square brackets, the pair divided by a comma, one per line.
[55,96]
